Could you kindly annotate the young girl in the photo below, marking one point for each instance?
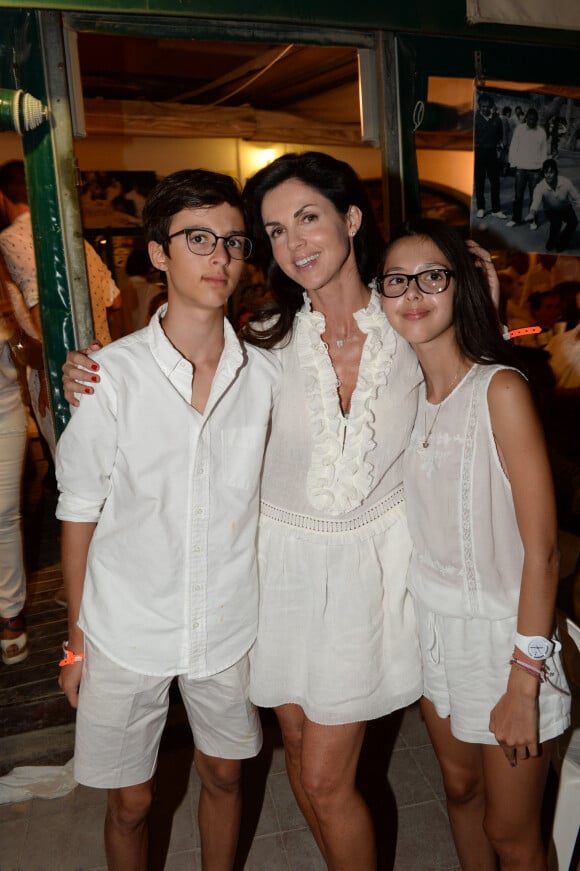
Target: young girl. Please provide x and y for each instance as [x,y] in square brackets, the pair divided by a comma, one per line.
[485,564]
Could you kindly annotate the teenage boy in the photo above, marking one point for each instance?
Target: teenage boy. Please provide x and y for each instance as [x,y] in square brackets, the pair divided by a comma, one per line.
[159,529]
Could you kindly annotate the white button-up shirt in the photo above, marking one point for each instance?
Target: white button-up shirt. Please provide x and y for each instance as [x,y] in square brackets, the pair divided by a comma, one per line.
[171,583]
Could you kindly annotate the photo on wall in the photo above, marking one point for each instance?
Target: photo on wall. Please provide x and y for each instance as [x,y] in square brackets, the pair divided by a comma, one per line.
[526,184]
[114,199]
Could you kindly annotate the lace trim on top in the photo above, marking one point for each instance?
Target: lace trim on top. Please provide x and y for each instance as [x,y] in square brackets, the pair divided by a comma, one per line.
[341,472]
[467,502]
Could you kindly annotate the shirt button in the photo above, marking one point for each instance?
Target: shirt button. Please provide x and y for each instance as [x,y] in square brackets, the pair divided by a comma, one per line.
[196,548]
[201,470]
[195,626]
[199,511]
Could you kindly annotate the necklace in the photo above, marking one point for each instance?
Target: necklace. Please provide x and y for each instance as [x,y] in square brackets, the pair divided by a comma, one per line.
[340,343]
[431,428]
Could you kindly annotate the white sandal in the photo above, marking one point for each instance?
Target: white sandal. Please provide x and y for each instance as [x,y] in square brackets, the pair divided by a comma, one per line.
[14,650]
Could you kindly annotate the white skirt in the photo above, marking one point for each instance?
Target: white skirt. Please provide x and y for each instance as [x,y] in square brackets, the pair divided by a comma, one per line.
[336,632]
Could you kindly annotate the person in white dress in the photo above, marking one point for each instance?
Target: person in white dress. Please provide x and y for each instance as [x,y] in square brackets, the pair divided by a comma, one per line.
[484,570]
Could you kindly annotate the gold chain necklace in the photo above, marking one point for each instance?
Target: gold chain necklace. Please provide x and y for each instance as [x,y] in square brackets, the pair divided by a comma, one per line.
[428,434]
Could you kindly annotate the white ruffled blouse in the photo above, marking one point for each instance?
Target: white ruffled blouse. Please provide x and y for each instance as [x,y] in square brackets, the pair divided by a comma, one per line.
[324,464]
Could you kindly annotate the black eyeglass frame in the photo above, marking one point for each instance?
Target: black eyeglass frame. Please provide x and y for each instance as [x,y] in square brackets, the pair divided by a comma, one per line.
[380,279]
[225,239]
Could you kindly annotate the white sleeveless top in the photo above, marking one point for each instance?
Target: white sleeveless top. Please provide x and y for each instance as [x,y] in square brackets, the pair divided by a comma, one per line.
[468,554]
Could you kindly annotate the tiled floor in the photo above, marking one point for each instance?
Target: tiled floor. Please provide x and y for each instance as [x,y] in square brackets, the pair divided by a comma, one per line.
[66,834]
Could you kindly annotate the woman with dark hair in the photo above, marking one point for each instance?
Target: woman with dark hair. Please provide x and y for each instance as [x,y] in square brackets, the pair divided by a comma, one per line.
[484,569]
[337,641]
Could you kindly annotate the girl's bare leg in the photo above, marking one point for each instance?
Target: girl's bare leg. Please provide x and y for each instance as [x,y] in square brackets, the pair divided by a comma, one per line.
[463,777]
[514,806]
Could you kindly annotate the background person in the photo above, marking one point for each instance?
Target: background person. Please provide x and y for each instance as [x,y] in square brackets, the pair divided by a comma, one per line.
[139,290]
[17,247]
[18,349]
[488,141]
[545,312]
[528,151]
[558,199]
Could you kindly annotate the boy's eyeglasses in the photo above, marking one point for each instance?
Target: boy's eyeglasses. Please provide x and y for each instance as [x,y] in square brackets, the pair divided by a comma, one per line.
[204,242]
[430,281]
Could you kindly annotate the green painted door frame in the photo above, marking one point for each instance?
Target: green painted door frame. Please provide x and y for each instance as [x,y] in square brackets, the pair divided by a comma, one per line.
[38,66]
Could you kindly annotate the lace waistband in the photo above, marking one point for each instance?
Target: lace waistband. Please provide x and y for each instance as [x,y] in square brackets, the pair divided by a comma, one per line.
[317,524]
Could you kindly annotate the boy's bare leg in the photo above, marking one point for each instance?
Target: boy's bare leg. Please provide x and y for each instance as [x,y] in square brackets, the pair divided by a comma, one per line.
[126,836]
[220,808]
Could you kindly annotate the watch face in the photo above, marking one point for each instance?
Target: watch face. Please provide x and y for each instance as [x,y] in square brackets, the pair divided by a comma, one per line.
[537,648]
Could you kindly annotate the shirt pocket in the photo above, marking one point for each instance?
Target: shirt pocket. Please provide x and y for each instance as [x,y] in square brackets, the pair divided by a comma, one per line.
[242,455]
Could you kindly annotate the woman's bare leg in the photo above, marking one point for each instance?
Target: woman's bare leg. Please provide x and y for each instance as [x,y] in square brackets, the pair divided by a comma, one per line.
[324,762]
[291,719]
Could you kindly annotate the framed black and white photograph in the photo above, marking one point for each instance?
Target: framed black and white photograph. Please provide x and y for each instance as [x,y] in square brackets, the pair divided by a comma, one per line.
[526,185]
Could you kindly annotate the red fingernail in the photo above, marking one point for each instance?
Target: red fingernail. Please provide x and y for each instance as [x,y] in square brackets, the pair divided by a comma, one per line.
[88,389]
[94,367]
[94,378]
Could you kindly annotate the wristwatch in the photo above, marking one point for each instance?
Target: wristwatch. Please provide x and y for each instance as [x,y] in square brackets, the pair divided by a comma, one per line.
[536,646]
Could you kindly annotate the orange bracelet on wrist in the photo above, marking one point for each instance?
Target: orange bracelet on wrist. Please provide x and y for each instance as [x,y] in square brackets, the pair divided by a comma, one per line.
[70,657]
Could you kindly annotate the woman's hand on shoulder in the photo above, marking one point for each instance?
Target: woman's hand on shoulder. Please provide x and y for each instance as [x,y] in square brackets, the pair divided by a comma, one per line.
[79,372]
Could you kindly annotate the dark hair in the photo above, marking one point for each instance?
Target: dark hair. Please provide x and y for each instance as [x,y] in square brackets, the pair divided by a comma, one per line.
[13,181]
[567,291]
[550,163]
[536,298]
[185,189]
[475,319]
[532,113]
[138,262]
[339,183]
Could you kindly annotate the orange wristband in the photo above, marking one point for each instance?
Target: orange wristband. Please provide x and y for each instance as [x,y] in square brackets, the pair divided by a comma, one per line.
[524,331]
[69,656]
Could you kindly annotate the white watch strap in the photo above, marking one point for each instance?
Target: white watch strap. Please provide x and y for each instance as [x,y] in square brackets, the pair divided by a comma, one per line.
[523,642]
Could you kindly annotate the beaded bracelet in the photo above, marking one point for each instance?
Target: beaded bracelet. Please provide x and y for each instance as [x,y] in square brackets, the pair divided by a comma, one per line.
[536,671]
[69,656]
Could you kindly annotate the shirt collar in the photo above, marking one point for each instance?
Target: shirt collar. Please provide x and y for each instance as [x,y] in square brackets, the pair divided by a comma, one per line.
[169,358]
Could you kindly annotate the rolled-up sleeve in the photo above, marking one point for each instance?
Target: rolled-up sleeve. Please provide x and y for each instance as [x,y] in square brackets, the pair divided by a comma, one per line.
[85,456]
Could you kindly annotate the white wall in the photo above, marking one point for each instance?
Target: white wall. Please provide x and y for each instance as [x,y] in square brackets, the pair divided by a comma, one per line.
[453,169]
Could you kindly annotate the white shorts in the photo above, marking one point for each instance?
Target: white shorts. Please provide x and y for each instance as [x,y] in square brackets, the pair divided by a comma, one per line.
[466,669]
[121,716]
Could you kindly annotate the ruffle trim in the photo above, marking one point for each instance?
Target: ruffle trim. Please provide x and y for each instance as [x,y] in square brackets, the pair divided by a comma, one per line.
[341,473]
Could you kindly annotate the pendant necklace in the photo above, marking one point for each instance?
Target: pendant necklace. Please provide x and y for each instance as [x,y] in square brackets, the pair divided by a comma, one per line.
[428,434]
[340,343]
